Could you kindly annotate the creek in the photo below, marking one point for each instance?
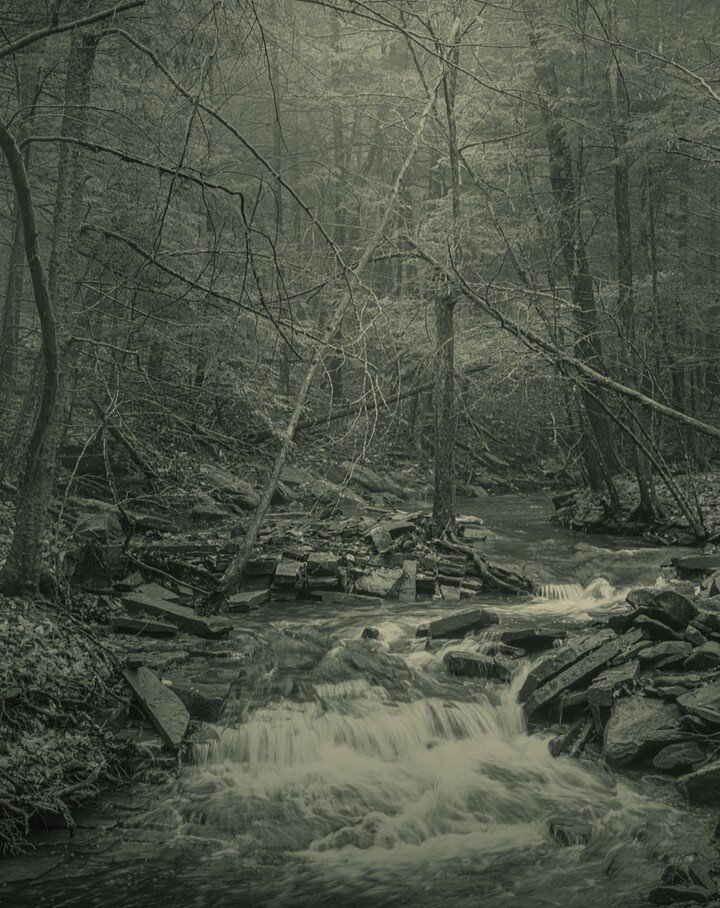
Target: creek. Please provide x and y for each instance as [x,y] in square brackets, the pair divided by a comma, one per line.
[362,774]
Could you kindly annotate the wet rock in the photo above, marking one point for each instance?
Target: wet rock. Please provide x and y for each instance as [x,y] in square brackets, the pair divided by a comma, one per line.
[694,636]
[203,686]
[161,706]
[348,600]
[679,757]
[573,740]
[407,587]
[704,657]
[695,567]
[638,728]
[703,702]
[602,691]
[688,870]
[476,665]
[569,831]
[707,622]
[582,671]
[532,639]
[248,600]
[142,626]
[370,633]
[673,895]
[383,582]
[623,621]
[702,786]
[656,630]
[670,648]
[180,615]
[457,625]
[561,660]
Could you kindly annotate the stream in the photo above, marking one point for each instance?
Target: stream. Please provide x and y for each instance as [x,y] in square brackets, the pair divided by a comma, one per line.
[361,774]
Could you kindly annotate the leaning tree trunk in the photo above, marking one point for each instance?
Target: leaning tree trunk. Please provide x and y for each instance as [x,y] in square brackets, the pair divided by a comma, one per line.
[23,567]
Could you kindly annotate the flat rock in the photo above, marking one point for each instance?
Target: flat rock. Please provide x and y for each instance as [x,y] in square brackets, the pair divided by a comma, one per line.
[656,630]
[582,671]
[672,608]
[638,728]
[532,639]
[561,660]
[703,657]
[703,702]
[180,615]
[694,567]
[349,600]
[162,707]
[145,627]
[679,757]
[670,648]
[601,692]
[454,627]
[702,786]
[248,600]
[383,582]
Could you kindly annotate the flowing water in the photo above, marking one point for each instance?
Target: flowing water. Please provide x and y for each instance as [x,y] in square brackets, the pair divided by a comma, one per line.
[351,772]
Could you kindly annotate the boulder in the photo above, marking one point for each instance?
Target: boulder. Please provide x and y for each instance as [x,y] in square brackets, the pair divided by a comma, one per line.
[672,608]
[370,633]
[702,786]
[704,657]
[580,672]
[601,692]
[381,539]
[638,728]
[695,567]
[474,665]
[670,648]
[679,757]
[532,639]
[383,582]
[707,622]
[703,702]
[561,660]
[656,630]
[694,636]
[454,627]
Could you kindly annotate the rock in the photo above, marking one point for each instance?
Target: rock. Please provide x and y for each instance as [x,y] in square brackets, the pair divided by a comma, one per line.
[204,686]
[601,692]
[450,593]
[638,728]
[382,581]
[240,492]
[702,786]
[694,636]
[679,757]
[142,626]
[368,479]
[569,831]
[670,648]
[349,600]
[573,740]
[703,702]
[622,622]
[707,622]
[208,513]
[582,671]
[704,657]
[180,615]
[474,665]
[673,895]
[161,706]
[695,567]
[248,600]
[656,630]
[672,608]
[688,870]
[370,633]
[454,627]
[562,660]
[532,639]
[407,587]
[381,539]
[323,563]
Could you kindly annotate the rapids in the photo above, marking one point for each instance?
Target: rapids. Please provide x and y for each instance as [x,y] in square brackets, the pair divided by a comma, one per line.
[359,773]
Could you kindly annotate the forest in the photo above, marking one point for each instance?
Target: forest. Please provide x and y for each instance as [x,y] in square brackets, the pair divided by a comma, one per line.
[359,370]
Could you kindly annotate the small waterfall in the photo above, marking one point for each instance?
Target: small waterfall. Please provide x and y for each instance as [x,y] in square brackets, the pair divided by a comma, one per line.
[597,589]
[559,591]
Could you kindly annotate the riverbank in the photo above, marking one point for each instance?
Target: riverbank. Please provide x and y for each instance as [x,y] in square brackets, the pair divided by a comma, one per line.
[588,512]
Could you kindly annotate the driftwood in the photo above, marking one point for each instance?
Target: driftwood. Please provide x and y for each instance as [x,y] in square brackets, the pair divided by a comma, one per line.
[496,577]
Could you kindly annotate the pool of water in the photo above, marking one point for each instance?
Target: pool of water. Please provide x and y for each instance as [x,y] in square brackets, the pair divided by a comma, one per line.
[351,772]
